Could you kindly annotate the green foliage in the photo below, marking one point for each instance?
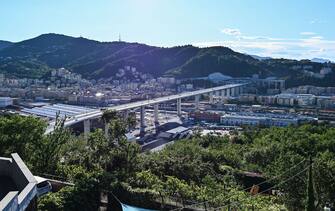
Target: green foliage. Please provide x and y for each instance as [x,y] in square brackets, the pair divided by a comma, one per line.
[84,195]
[204,169]
[19,134]
[49,147]
[53,201]
[24,68]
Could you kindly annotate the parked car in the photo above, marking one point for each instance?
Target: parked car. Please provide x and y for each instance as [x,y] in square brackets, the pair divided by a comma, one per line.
[43,186]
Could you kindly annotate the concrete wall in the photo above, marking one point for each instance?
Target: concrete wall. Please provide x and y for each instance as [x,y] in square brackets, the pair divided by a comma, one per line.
[5,166]
[25,181]
[10,202]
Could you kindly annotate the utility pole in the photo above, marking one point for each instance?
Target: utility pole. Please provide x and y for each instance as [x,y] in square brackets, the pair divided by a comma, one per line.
[310,202]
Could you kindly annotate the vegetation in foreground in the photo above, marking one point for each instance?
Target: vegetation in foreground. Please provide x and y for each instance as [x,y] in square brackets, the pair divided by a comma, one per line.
[204,171]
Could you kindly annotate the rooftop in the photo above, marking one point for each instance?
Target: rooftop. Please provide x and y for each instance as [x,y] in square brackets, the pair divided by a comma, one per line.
[17,184]
[50,111]
[6,185]
[176,130]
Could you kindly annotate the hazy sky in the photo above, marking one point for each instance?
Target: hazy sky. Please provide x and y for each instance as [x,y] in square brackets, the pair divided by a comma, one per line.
[277,28]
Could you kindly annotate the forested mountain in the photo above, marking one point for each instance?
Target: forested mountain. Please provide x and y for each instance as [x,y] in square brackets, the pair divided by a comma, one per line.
[4,44]
[36,57]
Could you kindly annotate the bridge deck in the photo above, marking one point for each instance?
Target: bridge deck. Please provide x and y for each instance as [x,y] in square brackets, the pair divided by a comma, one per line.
[97,113]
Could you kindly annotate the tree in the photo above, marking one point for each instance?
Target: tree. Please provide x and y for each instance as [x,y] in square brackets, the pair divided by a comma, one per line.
[99,149]
[84,195]
[48,148]
[18,133]
[177,187]
[131,120]
[52,201]
[116,131]
[146,179]
[107,117]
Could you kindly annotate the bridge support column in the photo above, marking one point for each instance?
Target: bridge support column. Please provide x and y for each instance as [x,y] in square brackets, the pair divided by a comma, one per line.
[217,94]
[237,91]
[233,93]
[223,94]
[142,121]
[241,89]
[87,128]
[156,114]
[179,107]
[211,98]
[228,92]
[197,102]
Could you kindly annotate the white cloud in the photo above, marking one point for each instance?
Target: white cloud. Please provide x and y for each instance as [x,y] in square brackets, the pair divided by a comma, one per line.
[232,32]
[307,48]
[307,33]
[317,21]
[316,38]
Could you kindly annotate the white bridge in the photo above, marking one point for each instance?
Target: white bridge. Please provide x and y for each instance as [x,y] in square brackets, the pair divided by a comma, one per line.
[230,90]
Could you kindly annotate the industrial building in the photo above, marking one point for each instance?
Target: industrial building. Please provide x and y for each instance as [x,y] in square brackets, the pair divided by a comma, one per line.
[253,119]
[205,116]
[50,111]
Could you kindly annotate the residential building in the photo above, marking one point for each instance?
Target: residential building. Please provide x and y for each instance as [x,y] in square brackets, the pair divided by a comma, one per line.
[286,99]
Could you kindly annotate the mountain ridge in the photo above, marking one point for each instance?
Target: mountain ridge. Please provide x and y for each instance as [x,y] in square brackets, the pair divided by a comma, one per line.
[5,44]
[94,59]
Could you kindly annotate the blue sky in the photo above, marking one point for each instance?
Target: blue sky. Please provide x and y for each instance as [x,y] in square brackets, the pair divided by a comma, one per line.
[277,28]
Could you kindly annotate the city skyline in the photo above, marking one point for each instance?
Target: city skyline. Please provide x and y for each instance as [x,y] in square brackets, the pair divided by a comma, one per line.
[293,30]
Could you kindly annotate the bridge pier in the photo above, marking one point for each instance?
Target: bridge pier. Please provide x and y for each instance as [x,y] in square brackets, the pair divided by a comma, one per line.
[233,93]
[142,120]
[179,107]
[197,102]
[211,98]
[156,114]
[237,91]
[87,128]
[223,94]
[229,92]
[217,94]
[241,89]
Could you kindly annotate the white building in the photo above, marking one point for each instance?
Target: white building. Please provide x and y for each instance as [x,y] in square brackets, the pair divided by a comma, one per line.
[238,120]
[263,119]
[5,101]
[306,99]
[166,80]
[286,99]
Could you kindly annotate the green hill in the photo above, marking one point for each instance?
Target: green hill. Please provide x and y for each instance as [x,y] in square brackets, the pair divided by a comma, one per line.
[38,56]
[4,44]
